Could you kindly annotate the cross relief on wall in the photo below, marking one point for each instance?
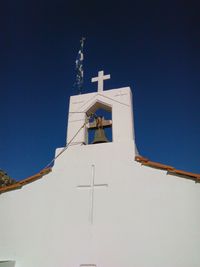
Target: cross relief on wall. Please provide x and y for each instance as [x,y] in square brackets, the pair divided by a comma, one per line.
[92,187]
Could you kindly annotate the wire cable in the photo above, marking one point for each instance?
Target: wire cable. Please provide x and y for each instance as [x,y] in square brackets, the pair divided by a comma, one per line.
[66,147]
[89,116]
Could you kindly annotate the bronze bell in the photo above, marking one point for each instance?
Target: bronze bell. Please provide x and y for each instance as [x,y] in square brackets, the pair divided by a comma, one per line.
[99,136]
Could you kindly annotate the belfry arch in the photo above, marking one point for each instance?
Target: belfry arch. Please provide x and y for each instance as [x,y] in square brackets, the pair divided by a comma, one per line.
[99,126]
[116,102]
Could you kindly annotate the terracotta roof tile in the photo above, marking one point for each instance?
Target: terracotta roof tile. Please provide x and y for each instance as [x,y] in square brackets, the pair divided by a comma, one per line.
[26,181]
[169,169]
[140,159]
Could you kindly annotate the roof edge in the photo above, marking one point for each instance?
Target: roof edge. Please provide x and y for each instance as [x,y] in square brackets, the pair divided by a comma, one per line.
[28,180]
[170,170]
[144,161]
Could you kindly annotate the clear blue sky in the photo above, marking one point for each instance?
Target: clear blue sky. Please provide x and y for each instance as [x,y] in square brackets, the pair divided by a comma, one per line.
[152,46]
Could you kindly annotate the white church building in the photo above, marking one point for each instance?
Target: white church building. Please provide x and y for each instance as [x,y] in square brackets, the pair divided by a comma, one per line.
[101,204]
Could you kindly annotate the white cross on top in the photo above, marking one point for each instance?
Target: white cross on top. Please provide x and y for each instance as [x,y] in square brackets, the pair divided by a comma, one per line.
[101,77]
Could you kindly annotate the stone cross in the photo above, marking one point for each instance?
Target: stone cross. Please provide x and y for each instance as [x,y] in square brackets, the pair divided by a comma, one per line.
[92,187]
[101,77]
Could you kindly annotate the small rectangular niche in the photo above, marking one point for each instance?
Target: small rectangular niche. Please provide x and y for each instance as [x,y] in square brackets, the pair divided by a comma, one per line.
[7,263]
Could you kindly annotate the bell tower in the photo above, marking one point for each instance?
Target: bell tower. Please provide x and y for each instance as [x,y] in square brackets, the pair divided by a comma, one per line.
[116,102]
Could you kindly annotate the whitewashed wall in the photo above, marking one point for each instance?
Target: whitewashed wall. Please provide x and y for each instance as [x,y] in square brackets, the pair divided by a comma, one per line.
[142,218]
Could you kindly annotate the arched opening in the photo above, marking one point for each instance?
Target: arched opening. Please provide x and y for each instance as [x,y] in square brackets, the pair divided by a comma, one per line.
[99,128]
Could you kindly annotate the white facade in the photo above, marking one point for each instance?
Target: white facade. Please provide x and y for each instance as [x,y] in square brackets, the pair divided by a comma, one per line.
[99,207]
